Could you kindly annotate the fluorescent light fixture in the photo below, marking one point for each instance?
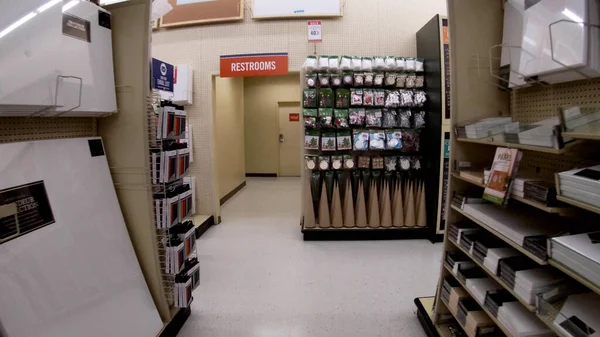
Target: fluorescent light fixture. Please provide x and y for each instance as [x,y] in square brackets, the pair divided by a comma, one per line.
[17,24]
[47,5]
[572,16]
[110,2]
[70,5]
[186,2]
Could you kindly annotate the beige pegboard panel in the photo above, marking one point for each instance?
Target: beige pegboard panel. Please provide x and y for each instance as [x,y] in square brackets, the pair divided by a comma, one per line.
[19,129]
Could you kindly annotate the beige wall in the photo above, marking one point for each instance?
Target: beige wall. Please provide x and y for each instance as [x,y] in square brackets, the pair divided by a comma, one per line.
[261,95]
[373,27]
[229,132]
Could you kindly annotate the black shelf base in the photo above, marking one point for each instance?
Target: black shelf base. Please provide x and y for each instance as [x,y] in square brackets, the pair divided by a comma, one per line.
[205,226]
[172,329]
[425,320]
[356,233]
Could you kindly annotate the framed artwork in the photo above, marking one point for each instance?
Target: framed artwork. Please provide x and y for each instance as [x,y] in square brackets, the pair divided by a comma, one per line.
[197,12]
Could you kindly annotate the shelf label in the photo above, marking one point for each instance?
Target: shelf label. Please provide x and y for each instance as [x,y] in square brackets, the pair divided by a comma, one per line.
[162,75]
[314,31]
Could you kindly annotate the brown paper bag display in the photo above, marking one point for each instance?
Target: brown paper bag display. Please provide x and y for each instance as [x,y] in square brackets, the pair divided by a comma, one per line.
[421,210]
[398,213]
[336,208]
[361,210]
[409,219]
[374,221]
[324,221]
[348,207]
[386,208]
[309,210]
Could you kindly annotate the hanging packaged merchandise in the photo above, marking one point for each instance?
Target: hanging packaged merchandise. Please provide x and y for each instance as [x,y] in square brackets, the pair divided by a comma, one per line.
[359,79]
[341,118]
[379,63]
[183,165]
[192,269]
[411,140]
[377,163]
[310,80]
[364,162]
[420,81]
[334,64]
[186,232]
[410,64]
[349,161]
[390,80]
[373,118]
[183,291]
[324,163]
[310,65]
[311,139]
[171,121]
[391,163]
[342,98]
[401,80]
[175,251]
[324,80]
[326,118]
[336,162]
[389,119]
[356,63]
[367,64]
[309,98]
[401,63]
[379,97]
[378,80]
[310,118]
[419,64]
[404,163]
[376,140]
[344,140]
[404,118]
[346,63]
[360,139]
[415,163]
[336,80]
[169,161]
[328,141]
[156,166]
[356,96]
[368,97]
[325,98]
[394,139]
[419,98]
[323,63]
[392,99]
[411,81]
[406,98]
[166,208]
[390,63]
[310,162]
[185,201]
[369,77]
[348,79]
[357,116]
[419,119]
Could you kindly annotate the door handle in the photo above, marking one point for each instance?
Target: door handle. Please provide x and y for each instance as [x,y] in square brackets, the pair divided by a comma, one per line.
[281,138]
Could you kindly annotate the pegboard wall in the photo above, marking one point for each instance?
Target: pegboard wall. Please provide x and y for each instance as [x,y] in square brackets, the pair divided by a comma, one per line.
[20,129]
[374,27]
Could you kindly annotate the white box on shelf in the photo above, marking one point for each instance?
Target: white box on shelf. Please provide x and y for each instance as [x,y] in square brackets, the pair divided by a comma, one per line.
[511,40]
[183,92]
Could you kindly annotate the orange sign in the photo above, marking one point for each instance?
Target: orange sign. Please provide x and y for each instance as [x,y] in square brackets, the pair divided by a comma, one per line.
[294,117]
[270,64]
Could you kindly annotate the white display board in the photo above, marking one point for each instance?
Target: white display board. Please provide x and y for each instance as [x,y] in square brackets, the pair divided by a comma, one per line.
[275,9]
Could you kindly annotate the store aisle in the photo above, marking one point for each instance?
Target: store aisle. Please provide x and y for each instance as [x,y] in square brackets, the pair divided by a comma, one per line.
[258,278]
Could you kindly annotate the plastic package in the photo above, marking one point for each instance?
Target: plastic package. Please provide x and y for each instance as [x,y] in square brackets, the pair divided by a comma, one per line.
[336,162]
[342,98]
[344,140]
[324,163]
[360,139]
[356,63]
[419,98]
[326,118]
[328,141]
[310,118]
[324,80]
[356,97]
[406,98]
[401,80]
[341,118]
[309,98]
[364,162]
[369,77]
[311,139]
[404,163]
[334,64]
[346,63]
[310,65]
[323,63]
[400,63]
[411,81]
[349,162]
[389,119]
[379,98]
[367,64]
[379,63]
[377,140]
[419,119]
[404,119]
[392,99]
[368,97]
[357,116]
[415,163]
[359,79]
[310,80]
[410,64]
[391,163]
[394,139]
[377,163]
[347,79]
[419,64]
[390,63]
[410,140]
[336,80]
[390,80]
[420,81]
[310,162]
[378,80]
[373,118]
[325,98]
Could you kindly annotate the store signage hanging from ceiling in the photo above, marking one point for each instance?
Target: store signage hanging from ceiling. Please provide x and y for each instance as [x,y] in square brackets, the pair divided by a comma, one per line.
[162,75]
[268,64]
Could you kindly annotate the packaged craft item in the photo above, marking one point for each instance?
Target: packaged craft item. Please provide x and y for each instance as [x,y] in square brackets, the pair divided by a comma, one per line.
[336,162]
[310,80]
[369,77]
[378,80]
[335,80]
[324,80]
[310,118]
[392,99]
[360,139]
[349,162]
[357,116]
[328,141]
[364,162]
[310,162]
[309,98]
[342,98]
[394,139]
[419,119]
[391,162]
[415,163]
[379,97]
[410,64]
[419,64]
[356,63]
[404,118]
[341,118]
[389,119]
[334,64]
[377,163]
[404,163]
[420,81]
[346,63]
[401,80]
[356,96]
[344,140]
[359,79]
[326,118]
[311,139]
[390,79]
[411,81]
[325,98]
[368,97]
[377,140]
[400,63]
[367,64]
[310,65]
[390,63]
[378,63]
[323,63]
[373,118]
[324,162]
[406,98]
[348,79]
[419,98]
[411,140]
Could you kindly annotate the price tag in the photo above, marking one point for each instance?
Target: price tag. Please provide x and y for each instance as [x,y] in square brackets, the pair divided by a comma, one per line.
[314,31]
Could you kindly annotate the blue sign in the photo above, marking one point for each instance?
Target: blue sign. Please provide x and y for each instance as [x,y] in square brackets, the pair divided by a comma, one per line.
[162,75]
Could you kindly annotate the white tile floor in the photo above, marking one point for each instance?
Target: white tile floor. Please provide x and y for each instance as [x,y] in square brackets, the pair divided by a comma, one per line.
[258,278]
